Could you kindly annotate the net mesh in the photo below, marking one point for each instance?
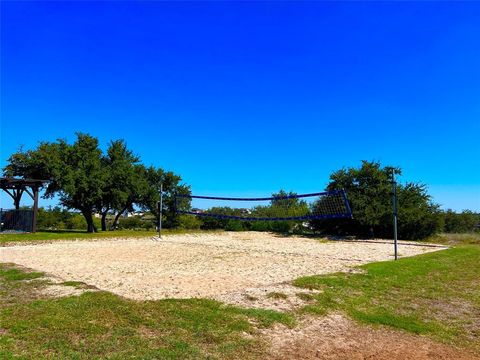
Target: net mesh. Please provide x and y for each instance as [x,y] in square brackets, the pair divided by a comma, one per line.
[282,206]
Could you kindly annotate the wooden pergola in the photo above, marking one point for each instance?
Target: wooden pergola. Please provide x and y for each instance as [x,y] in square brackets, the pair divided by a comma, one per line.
[17,187]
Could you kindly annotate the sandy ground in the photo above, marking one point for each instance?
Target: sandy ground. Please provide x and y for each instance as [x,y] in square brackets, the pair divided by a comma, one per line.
[335,337]
[239,268]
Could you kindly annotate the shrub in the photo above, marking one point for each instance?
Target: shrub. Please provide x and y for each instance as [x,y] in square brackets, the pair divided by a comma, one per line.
[261,226]
[136,223]
[189,222]
[76,222]
[463,222]
[281,226]
[53,218]
[234,225]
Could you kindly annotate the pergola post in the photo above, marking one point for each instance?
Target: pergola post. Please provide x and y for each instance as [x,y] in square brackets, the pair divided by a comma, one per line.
[35,208]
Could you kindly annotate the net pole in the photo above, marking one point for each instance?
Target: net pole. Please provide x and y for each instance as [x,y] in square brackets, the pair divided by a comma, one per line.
[160,208]
[394,203]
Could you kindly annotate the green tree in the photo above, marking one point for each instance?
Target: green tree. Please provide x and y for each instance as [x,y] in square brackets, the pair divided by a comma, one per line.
[53,218]
[119,165]
[75,172]
[418,216]
[463,222]
[189,222]
[172,184]
[219,222]
[137,190]
[86,180]
[284,204]
[369,192]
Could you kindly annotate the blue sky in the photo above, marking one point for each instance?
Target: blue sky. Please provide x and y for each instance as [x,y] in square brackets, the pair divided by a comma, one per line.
[247,98]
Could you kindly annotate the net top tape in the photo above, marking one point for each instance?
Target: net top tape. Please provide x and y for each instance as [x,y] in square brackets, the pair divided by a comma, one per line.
[333,192]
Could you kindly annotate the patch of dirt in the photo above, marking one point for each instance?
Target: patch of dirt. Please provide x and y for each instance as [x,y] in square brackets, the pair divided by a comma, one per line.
[38,288]
[147,332]
[51,286]
[219,265]
[335,337]
[62,290]
[289,297]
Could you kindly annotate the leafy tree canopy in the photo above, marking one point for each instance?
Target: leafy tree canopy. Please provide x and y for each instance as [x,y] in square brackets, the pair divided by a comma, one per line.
[87,180]
[369,190]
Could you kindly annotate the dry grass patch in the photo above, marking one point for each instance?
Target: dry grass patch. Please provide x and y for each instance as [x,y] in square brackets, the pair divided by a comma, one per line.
[434,294]
[336,337]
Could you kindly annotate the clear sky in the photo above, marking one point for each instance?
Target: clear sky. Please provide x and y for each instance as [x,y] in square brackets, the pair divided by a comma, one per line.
[247,98]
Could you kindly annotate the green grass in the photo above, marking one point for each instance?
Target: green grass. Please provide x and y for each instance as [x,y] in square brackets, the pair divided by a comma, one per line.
[99,325]
[437,294]
[78,234]
[15,274]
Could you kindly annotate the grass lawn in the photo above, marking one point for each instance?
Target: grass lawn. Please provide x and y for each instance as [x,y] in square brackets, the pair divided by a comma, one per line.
[79,234]
[103,325]
[436,294]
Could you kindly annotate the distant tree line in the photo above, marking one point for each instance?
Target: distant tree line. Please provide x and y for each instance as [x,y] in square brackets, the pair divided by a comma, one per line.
[91,181]
[280,206]
[57,218]
[113,182]
[462,222]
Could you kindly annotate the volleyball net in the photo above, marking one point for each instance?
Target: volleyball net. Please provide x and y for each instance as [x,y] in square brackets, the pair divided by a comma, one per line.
[281,206]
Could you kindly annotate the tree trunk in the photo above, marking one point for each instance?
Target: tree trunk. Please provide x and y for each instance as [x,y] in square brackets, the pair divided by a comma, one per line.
[17,198]
[104,220]
[89,218]
[115,221]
